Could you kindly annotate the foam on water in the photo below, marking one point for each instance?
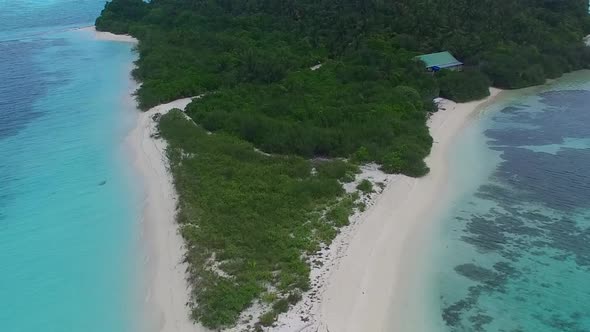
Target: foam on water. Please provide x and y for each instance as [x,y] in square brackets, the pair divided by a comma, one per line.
[68,204]
[514,252]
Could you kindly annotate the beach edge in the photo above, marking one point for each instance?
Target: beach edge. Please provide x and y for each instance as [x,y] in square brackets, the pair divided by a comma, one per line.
[167,291]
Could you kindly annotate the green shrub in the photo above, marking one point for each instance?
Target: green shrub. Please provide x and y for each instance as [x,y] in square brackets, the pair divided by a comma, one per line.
[281,305]
[361,155]
[339,213]
[268,318]
[294,297]
[393,163]
[268,297]
[365,186]
[336,169]
[463,86]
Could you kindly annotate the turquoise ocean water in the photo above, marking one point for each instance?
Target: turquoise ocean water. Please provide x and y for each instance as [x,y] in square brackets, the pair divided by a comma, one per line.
[68,204]
[513,253]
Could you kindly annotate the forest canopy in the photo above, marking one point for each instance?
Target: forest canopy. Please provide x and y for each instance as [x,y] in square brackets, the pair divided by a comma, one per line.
[255,56]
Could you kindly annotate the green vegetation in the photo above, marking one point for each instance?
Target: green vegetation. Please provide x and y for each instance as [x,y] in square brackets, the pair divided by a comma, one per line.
[192,46]
[306,115]
[365,186]
[255,214]
[463,86]
[370,95]
[337,169]
[259,216]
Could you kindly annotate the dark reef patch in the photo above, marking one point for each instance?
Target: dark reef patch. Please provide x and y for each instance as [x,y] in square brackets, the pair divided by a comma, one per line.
[479,321]
[476,273]
[533,221]
[16,107]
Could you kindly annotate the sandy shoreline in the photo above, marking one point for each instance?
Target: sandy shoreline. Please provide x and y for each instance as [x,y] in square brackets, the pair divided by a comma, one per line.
[101,35]
[166,288]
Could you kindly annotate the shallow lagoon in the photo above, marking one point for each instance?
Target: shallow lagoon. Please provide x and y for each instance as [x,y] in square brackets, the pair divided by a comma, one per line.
[69,205]
[514,249]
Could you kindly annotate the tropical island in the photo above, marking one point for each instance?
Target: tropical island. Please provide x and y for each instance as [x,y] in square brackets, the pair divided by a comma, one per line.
[294,97]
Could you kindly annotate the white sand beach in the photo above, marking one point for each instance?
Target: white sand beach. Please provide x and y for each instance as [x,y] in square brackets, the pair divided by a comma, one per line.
[101,35]
[168,289]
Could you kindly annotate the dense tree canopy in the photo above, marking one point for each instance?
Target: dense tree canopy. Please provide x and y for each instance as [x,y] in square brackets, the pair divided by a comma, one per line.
[462,86]
[256,54]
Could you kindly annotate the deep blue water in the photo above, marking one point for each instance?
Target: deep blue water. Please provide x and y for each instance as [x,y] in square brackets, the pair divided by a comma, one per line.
[68,203]
[515,249]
